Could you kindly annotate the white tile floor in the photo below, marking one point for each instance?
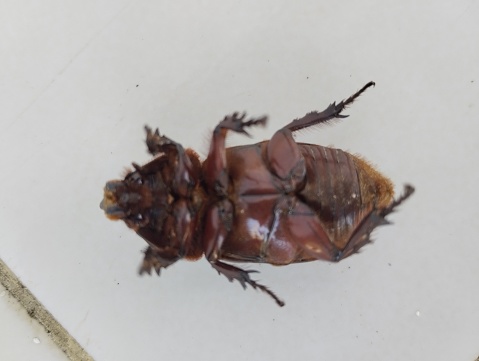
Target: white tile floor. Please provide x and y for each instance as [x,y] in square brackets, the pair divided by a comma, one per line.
[21,337]
[80,79]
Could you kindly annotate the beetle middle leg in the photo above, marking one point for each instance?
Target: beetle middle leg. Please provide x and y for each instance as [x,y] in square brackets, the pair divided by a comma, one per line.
[283,155]
[218,223]
[215,164]
[242,276]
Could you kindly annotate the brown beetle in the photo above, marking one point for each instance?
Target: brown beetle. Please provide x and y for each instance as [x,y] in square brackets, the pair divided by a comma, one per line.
[276,202]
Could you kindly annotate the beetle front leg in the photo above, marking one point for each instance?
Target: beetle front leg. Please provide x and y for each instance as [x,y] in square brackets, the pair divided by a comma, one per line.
[155,260]
[156,142]
[178,169]
[217,226]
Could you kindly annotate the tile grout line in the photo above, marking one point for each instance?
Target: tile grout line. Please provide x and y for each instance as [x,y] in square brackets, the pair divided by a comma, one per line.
[35,309]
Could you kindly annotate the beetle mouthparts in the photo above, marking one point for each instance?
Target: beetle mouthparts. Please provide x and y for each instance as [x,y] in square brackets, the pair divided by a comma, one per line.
[109,203]
[112,211]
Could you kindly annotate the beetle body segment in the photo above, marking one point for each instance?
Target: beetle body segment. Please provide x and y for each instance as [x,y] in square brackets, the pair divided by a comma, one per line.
[276,202]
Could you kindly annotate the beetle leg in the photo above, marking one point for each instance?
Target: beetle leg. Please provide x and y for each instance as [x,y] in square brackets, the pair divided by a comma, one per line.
[242,276]
[155,142]
[183,172]
[236,123]
[285,160]
[218,224]
[310,235]
[284,156]
[332,111]
[361,235]
[153,260]
[215,164]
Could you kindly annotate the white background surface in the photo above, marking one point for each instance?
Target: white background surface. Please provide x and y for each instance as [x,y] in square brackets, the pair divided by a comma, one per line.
[79,79]
[21,337]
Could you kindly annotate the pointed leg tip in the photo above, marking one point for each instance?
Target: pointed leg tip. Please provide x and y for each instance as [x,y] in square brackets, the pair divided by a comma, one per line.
[143,270]
[384,222]
[409,189]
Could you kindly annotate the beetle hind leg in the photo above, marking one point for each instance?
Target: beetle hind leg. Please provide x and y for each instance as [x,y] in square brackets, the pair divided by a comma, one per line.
[377,217]
[332,111]
[304,227]
[283,154]
[234,273]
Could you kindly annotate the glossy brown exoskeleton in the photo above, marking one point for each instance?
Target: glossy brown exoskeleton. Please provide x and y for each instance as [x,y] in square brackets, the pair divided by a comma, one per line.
[276,202]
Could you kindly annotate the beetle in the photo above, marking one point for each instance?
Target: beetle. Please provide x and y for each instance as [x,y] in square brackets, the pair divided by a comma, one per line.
[276,202]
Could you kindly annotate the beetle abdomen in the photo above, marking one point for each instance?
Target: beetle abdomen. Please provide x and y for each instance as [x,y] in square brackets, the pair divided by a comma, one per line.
[342,188]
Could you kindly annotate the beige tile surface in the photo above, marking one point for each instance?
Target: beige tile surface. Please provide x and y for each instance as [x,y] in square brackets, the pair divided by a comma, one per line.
[80,79]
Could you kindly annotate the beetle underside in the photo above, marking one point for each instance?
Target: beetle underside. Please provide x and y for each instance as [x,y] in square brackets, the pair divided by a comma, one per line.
[276,202]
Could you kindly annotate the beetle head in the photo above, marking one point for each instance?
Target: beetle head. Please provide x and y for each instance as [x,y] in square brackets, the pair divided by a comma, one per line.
[127,200]
[156,201]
